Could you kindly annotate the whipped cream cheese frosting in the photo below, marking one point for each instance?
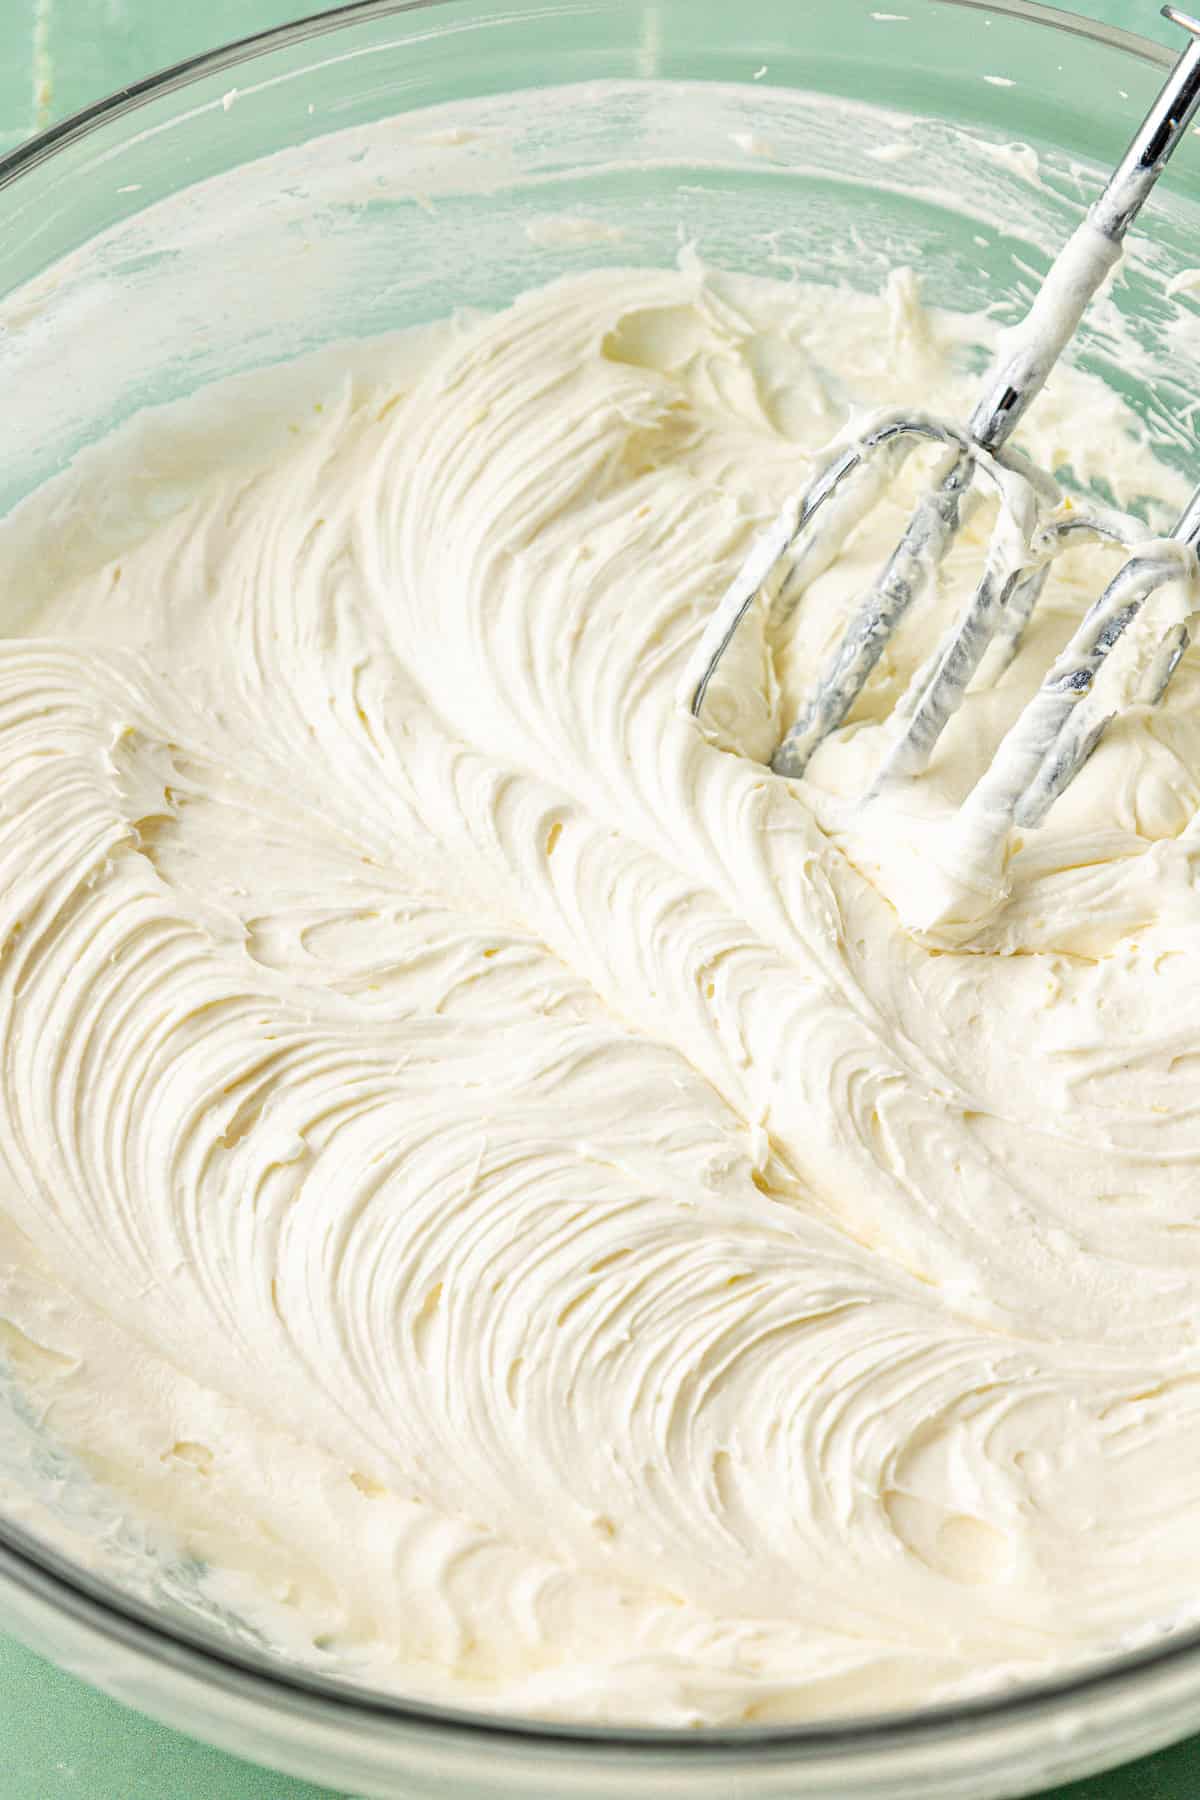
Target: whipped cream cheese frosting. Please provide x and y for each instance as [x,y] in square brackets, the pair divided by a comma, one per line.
[496,1172]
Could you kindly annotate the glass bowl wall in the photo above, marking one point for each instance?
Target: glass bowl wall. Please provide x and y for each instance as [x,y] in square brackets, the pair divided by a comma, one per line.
[379,166]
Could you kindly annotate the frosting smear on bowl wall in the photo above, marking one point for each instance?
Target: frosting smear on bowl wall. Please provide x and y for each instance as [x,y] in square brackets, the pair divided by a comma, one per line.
[537,1204]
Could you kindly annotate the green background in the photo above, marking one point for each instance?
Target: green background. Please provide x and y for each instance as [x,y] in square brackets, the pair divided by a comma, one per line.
[58,1739]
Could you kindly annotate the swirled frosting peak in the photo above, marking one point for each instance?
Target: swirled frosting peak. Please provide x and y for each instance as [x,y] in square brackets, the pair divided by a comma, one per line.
[485,1162]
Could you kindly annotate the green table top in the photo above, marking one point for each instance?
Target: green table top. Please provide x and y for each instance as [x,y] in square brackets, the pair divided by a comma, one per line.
[60,1740]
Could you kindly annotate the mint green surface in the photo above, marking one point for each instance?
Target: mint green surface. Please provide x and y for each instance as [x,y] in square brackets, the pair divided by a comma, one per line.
[60,1740]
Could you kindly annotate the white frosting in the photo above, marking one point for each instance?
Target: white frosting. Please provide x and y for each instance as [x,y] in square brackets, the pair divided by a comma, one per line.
[485,1164]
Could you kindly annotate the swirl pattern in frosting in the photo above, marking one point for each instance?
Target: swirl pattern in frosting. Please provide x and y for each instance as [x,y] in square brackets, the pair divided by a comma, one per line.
[485,1161]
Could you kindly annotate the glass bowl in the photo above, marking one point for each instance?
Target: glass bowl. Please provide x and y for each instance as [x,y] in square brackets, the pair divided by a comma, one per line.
[380,165]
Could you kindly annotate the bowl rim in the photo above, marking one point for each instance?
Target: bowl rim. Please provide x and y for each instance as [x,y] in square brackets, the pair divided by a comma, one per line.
[53,1581]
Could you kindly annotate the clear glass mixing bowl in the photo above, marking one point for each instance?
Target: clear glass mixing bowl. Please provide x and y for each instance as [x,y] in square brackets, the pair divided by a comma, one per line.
[378,166]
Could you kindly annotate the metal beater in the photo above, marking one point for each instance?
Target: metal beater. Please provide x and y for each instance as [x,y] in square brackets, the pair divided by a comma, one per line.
[1054,736]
